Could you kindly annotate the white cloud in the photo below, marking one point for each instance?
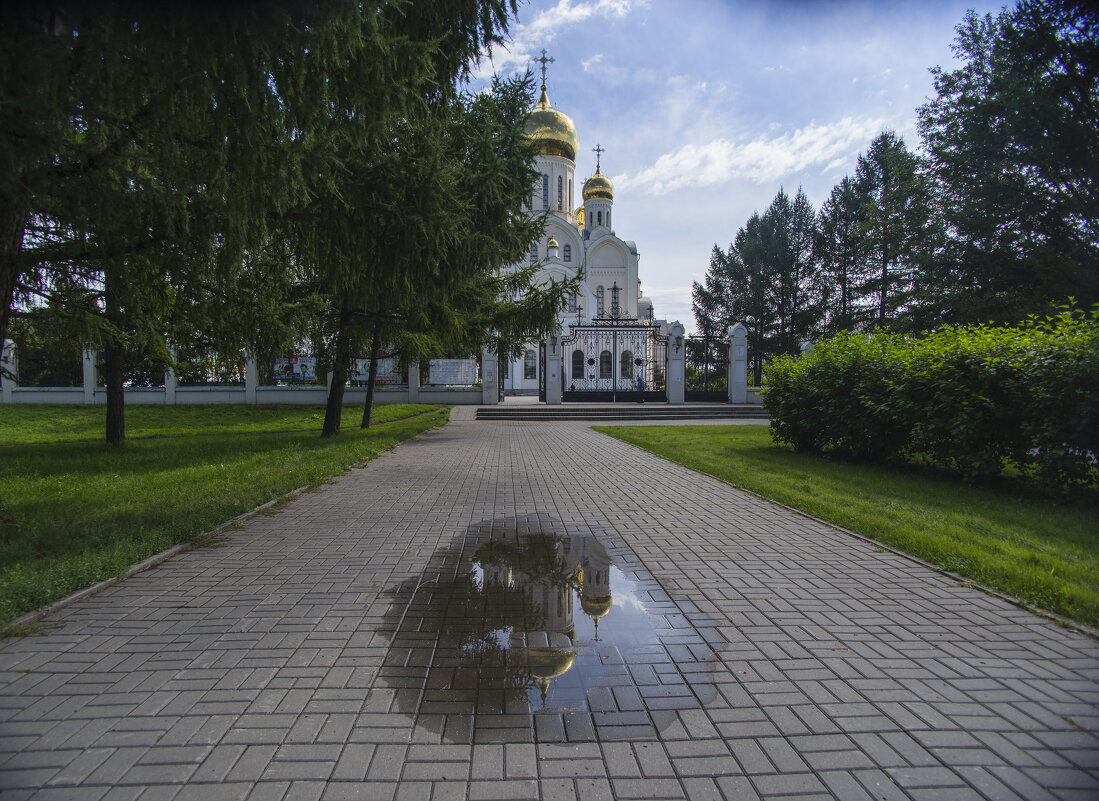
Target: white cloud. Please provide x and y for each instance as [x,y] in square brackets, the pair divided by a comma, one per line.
[527,39]
[766,159]
[588,63]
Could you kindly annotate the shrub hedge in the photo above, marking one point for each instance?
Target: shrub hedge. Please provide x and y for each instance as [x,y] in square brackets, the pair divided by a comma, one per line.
[972,398]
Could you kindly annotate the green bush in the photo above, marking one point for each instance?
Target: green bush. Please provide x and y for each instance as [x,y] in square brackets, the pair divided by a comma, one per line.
[971,398]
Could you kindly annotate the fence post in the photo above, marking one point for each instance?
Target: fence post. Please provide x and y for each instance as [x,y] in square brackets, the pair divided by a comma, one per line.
[414,382]
[251,379]
[489,387]
[171,380]
[676,368]
[9,363]
[553,371]
[91,374]
[738,363]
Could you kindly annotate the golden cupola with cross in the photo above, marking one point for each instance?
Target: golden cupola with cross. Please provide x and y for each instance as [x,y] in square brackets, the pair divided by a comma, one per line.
[554,135]
[598,186]
[552,130]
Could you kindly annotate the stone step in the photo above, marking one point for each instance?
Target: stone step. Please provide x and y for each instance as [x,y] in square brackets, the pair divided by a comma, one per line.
[623,412]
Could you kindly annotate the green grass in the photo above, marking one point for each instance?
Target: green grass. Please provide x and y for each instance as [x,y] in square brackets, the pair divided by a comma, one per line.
[81,511]
[26,424]
[1009,536]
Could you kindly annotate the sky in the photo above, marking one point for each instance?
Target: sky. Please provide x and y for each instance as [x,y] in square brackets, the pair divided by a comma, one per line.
[706,108]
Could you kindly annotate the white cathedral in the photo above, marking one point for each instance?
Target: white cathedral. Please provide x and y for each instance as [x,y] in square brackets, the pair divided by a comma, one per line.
[582,239]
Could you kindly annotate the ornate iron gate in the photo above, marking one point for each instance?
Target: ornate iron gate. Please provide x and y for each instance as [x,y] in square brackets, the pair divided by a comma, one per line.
[611,361]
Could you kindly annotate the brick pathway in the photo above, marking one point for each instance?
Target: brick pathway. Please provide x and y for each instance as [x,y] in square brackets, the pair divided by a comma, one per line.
[329,651]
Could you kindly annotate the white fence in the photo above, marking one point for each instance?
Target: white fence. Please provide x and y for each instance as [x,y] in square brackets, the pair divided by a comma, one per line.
[250,392]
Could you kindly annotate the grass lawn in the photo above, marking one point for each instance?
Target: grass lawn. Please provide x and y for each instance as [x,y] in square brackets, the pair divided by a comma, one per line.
[1010,536]
[81,511]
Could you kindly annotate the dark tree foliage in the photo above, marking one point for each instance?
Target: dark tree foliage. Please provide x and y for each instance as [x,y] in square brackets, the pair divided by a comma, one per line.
[145,148]
[1013,136]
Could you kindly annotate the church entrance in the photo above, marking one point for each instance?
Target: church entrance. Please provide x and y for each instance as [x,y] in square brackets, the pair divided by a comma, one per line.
[614,361]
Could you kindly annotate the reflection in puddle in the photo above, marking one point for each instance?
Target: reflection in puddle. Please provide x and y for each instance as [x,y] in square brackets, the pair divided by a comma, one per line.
[514,620]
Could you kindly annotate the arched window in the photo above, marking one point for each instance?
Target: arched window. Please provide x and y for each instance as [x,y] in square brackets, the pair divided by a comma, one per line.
[606,365]
[534,252]
[567,256]
[599,301]
[572,300]
[560,193]
[530,364]
[598,218]
[577,364]
[627,364]
[545,191]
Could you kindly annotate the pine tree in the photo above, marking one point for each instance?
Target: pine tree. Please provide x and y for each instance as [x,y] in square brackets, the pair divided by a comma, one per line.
[840,255]
[896,211]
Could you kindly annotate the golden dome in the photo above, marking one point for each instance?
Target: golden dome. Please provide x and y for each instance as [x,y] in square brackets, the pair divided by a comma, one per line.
[598,186]
[595,605]
[552,130]
[552,243]
[548,663]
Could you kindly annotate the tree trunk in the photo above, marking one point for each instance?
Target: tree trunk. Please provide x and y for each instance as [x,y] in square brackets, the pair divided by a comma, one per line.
[334,410]
[113,355]
[375,353]
[12,225]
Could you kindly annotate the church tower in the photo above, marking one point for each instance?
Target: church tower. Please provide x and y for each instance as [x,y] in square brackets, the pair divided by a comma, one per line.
[555,135]
[598,197]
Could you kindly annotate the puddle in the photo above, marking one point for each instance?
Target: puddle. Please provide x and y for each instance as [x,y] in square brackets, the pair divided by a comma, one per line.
[516,619]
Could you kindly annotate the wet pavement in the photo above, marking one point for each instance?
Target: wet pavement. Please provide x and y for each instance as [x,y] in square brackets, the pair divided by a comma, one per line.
[531,610]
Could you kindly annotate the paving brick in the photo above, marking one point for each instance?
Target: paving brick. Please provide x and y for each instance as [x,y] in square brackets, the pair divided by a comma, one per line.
[509,790]
[786,658]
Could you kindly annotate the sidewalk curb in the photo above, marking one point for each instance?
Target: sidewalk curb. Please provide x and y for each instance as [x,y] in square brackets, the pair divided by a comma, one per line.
[30,618]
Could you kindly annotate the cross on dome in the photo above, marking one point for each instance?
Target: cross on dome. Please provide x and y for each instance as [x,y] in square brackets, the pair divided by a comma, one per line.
[598,150]
[544,61]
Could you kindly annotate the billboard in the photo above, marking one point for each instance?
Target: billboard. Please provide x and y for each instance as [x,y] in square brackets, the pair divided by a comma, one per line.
[387,371]
[462,372]
[295,368]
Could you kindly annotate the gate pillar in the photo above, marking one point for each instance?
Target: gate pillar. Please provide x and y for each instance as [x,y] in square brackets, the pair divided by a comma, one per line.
[251,379]
[738,363]
[676,363]
[91,374]
[9,361]
[489,387]
[553,371]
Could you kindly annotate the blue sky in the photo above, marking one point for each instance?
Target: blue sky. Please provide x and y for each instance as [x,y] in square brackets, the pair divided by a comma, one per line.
[707,108]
